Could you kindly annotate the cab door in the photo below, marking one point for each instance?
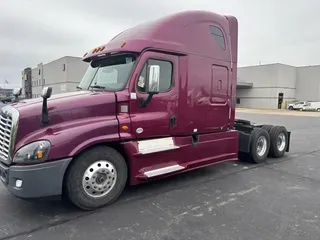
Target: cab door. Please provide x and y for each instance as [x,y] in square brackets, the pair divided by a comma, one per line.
[159,117]
[218,110]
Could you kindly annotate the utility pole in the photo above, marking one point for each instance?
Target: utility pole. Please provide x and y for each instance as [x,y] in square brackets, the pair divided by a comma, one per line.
[5,81]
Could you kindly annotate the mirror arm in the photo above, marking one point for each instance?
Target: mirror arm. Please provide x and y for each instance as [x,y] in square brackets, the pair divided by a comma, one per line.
[15,99]
[45,119]
[145,102]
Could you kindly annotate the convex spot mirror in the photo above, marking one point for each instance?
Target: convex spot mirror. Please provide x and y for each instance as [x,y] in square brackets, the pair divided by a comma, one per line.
[46,92]
[17,92]
[153,81]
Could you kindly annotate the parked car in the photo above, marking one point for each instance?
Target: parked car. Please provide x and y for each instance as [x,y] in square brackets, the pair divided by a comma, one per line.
[311,106]
[6,100]
[296,105]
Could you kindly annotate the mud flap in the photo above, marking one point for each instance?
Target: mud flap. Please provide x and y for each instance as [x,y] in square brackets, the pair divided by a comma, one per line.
[289,137]
[244,142]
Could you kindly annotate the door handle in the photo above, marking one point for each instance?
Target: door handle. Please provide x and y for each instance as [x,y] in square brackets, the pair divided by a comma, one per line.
[172,121]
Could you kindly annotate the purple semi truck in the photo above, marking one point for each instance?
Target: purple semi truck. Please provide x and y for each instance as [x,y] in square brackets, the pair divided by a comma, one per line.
[157,100]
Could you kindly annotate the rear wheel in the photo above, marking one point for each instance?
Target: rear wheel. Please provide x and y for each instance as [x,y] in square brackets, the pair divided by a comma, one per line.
[318,109]
[260,144]
[278,141]
[96,178]
[267,127]
[290,108]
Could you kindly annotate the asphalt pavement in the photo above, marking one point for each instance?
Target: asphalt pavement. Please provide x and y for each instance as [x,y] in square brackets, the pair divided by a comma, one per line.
[276,200]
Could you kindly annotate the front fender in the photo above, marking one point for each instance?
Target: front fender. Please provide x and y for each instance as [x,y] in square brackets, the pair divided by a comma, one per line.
[70,138]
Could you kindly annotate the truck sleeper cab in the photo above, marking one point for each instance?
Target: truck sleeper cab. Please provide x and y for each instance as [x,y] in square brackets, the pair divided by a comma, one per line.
[157,100]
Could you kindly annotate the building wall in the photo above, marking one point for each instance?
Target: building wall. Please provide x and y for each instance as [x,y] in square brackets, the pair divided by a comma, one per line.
[268,81]
[75,71]
[308,84]
[63,75]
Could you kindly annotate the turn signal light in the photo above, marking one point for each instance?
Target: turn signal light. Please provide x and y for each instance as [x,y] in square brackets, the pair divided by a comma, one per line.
[39,154]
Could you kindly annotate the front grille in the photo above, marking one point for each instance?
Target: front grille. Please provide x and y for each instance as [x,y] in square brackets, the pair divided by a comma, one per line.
[9,118]
[5,134]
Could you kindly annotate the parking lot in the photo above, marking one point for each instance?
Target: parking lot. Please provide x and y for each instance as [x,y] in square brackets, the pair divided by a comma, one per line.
[276,200]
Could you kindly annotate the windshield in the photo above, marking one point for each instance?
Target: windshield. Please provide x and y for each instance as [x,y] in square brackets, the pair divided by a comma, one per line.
[109,73]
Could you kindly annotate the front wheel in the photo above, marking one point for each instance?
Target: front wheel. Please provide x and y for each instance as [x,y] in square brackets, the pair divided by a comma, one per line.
[290,108]
[96,178]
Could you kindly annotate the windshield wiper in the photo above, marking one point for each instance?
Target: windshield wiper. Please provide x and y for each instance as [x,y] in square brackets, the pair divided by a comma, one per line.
[78,87]
[98,86]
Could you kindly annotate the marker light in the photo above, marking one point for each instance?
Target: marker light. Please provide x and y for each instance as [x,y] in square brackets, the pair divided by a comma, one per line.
[125,127]
[99,49]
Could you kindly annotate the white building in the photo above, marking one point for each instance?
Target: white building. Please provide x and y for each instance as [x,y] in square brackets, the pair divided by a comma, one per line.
[63,75]
[267,83]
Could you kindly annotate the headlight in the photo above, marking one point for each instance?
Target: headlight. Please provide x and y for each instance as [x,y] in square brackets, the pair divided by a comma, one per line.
[33,152]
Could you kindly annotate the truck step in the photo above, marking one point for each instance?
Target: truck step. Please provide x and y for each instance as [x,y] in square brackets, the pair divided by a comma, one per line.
[163,170]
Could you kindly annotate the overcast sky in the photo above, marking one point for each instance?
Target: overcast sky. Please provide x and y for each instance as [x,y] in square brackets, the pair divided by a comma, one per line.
[34,31]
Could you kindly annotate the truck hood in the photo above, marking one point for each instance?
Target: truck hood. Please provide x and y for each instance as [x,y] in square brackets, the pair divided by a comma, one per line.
[62,102]
[64,109]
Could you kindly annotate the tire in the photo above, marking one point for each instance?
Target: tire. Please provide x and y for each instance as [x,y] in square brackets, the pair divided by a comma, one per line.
[277,134]
[300,109]
[290,108]
[81,183]
[260,145]
[318,109]
[267,127]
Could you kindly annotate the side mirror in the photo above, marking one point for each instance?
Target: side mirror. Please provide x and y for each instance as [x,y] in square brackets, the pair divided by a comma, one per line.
[153,79]
[17,92]
[46,92]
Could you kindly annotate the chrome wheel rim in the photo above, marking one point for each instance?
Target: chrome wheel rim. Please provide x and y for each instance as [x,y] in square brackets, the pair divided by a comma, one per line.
[261,145]
[281,142]
[99,179]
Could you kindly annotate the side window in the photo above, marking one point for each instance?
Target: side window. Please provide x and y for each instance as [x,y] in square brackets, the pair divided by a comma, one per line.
[217,34]
[166,73]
